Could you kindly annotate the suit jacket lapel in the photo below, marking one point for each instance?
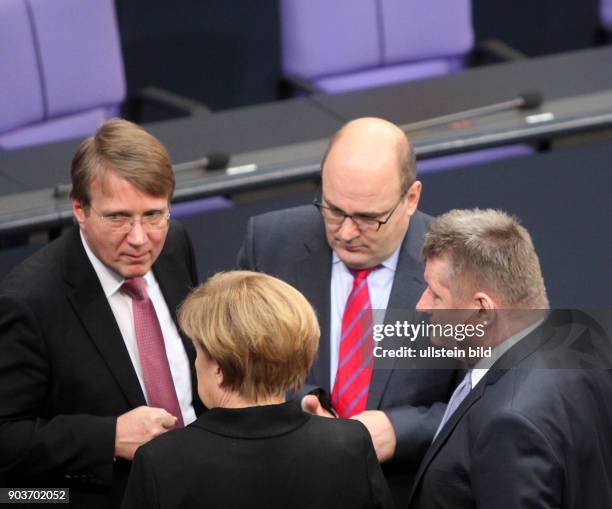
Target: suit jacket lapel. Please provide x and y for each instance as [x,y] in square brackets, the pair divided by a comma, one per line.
[474,395]
[91,306]
[408,285]
[313,276]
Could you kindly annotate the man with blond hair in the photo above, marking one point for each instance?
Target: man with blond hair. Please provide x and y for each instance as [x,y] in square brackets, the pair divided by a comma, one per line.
[530,424]
[92,364]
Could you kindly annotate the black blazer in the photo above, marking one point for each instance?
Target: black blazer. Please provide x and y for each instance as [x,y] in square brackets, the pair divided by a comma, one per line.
[65,373]
[270,456]
[291,244]
[526,436]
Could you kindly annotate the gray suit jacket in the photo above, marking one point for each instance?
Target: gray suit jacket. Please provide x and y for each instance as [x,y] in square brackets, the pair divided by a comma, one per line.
[291,245]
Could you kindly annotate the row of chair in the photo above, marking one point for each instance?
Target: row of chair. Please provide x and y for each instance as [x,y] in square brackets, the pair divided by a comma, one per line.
[61,67]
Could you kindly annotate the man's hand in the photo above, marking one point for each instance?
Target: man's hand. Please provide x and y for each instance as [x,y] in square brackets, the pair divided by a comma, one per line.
[312,405]
[138,426]
[381,430]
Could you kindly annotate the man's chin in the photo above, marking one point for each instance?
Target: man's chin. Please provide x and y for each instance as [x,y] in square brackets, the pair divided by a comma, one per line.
[133,270]
[355,259]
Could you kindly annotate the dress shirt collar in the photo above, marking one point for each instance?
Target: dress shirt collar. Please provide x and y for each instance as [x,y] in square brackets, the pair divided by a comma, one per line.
[483,365]
[111,281]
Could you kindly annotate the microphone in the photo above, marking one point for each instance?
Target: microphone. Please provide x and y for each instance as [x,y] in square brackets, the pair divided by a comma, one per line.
[530,100]
[211,161]
[215,161]
[524,101]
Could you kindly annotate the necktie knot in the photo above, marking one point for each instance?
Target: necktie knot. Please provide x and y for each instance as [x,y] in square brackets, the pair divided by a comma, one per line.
[361,274]
[136,288]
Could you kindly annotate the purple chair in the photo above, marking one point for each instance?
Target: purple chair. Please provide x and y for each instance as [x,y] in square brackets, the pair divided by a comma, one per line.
[61,68]
[605,13]
[341,45]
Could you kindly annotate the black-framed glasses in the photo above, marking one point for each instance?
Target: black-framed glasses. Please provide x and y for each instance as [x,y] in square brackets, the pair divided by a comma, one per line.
[153,220]
[334,216]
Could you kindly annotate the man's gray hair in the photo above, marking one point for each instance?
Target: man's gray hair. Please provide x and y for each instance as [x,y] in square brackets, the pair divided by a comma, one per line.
[488,250]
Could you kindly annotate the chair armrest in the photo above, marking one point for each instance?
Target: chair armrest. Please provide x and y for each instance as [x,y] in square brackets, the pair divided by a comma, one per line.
[495,50]
[162,99]
[289,86]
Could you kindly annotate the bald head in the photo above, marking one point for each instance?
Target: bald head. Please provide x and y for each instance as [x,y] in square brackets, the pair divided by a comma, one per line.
[368,173]
[370,144]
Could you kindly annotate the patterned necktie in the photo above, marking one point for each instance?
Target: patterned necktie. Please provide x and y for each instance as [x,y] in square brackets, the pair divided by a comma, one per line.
[355,360]
[153,359]
[461,392]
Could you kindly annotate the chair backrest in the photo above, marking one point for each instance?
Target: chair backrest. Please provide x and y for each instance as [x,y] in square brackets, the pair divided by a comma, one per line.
[58,58]
[605,13]
[323,37]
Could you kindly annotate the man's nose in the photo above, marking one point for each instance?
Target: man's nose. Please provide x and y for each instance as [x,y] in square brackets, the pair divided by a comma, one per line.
[348,230]
[137,235]
[424,302]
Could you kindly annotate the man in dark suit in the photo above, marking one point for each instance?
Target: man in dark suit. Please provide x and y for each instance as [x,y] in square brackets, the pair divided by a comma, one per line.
[365,227]
[531,424]
[91,362]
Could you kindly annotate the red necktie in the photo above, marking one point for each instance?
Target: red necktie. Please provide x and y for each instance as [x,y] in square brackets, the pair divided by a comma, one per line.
[355,361]
[153,359]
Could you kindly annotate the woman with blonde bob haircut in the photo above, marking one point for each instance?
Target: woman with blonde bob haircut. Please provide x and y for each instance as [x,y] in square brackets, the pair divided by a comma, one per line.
[256,338]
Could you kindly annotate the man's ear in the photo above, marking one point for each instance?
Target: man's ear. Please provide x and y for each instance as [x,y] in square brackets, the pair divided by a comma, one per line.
[79,211]
[486,308]
[413,196]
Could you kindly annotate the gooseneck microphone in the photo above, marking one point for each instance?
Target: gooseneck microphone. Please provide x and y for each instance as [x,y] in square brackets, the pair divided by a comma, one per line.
[211,161]
[524,101]
[214,161]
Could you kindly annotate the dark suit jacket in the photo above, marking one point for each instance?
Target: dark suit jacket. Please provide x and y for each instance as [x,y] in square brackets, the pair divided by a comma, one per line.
[526,437]
[291,244]
[270,456]
[65,373]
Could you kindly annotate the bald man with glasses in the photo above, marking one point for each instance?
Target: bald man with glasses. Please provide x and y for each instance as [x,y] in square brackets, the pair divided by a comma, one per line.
[358,250]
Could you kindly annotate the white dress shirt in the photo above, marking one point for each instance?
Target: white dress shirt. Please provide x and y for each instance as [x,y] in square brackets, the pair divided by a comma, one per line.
[121,306]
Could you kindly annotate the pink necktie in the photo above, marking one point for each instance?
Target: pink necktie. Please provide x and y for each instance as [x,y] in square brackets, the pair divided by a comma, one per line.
[153,359]
[355,362]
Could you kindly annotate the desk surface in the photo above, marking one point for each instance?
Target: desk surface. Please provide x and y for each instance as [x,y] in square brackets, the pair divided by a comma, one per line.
[317,117]
[557,76]
[232,131]
[288,134]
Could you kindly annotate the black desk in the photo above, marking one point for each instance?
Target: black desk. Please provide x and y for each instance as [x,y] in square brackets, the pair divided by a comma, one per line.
[233,131]
[287,139]
[555,77]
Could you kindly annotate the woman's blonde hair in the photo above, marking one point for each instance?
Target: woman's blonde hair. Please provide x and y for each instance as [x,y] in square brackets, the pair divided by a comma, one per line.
[262,332]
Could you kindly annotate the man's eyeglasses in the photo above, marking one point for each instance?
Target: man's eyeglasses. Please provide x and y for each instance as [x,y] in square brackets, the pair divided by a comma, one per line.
[122,223]
[335,217]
